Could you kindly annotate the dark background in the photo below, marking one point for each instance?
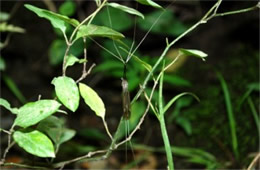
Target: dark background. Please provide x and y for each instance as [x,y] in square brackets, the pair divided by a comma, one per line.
[232,45]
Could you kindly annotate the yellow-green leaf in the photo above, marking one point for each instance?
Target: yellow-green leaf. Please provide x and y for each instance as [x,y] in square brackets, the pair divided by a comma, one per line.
[193,52]
[93,100]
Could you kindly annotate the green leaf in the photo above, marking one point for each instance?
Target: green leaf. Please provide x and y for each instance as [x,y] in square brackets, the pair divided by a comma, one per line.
[92,99]
[92,133]
[147,66]
[167,24]
[33,112]
[54,128]
[254,86]
[13,87]
[98,31]
[109,65]
[117,18]
[57,20]
[68,8]
[4,27]
[71,60]
[67,91]
[176,80]
[180,104]
[176,98]
[56,51]
[126,9]
[4,16]
[193,52]
[251,87]
[149,2]
[185,124]
[230,113]
[7,105]
[35,142]
[58,48]
[137,110]
[2,64]
[66,135]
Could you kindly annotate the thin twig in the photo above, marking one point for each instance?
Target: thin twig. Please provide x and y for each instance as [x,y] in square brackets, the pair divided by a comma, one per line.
[90,154]
[257,158]
[202,21]
[7,150]
[90,17]
[107,50]
[70,42]
[9,145]
[86,73]
[6,131]
[21,165]
[236,11]
[107,129]
[65,59]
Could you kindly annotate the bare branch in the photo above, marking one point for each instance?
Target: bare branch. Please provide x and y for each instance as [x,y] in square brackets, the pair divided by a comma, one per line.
[86,73]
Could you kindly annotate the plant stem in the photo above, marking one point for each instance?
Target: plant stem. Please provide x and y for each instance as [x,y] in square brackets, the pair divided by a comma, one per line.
[204,19]
[70,42]
[254,162]
[162,56]
[236,12]
[90,17]
[232,122]
[254,112]
[65,59]
[166,142]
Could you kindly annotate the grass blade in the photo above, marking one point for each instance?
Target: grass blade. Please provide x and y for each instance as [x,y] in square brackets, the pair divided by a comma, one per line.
[254,113]
[230,113]
[14,89]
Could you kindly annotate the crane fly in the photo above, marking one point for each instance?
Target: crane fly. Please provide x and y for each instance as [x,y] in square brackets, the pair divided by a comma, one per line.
[125,96]
[126,99]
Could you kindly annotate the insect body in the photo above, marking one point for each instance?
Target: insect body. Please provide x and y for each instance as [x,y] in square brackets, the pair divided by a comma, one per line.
[126,99]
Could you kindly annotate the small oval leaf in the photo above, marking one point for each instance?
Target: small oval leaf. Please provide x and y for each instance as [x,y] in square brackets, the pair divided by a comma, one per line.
[67,91]
[98,31]
[193,52]
[33,112]
[71,60]
[126,9]
[149,2]
[92,99]
[35,142]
